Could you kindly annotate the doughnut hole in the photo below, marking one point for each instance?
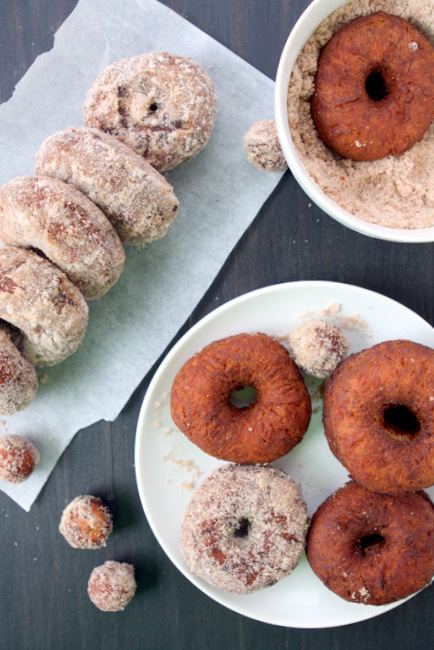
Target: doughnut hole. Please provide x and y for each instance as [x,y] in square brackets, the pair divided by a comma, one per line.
[400,422]
[18,458]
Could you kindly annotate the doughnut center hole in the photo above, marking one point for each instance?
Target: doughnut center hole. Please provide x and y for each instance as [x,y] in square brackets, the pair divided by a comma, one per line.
[376,86]
[244,397]
[372,542]
[242,529]
[400,422]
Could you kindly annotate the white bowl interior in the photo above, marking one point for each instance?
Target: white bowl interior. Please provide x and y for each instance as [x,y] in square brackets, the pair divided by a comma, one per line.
[306,25]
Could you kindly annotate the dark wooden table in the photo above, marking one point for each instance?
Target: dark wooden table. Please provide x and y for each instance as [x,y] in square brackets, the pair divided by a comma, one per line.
[43,600]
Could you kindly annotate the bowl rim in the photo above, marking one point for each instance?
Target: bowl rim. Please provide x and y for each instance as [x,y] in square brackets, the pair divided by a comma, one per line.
[305,26]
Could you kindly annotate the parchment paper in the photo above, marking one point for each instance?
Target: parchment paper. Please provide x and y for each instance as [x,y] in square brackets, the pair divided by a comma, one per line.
[220,193]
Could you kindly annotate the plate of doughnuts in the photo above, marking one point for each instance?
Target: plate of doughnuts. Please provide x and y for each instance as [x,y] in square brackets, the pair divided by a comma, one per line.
[170,467]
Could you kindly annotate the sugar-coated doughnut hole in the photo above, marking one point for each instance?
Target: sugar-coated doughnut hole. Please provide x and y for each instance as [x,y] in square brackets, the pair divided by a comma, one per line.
[317,347]
[112,586]
[86,522]
[262,146]
[18,458]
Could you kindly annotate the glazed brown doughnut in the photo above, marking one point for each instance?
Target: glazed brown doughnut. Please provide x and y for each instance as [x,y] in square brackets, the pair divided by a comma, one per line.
[138,201]
[18,378]
[374,88]
[39,300]
[202,399]
[160,104]
[45,214]
[244,528]
[372,548]
[378,415]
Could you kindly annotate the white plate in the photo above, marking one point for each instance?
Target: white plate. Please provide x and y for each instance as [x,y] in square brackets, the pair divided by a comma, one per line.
[168,465]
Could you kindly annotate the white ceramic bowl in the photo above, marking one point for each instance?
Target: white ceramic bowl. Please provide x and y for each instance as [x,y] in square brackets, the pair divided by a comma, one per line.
[308,22]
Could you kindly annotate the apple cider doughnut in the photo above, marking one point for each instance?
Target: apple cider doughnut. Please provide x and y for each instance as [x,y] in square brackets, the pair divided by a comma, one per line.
[45,214]
[138,200]
[162,105]
[38,299]
[18,379]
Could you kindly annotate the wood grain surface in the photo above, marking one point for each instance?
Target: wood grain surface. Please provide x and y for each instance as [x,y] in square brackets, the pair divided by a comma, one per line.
[43,599]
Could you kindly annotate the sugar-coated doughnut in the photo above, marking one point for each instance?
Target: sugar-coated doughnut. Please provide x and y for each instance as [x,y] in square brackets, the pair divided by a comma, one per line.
[263,148]
[317,347]
[18,378]
[378,415]
[38,299]
[204,408]
[86,522]
[244,528]
[139,201]
[45,214]
[374,88]
[18,458]
[112,586]
[372,548]
[160,104]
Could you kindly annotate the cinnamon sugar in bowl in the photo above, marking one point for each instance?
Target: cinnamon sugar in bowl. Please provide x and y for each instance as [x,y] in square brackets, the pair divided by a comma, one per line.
[390,199]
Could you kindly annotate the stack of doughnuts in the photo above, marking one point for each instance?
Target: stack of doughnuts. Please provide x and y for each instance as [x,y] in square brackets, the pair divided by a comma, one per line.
[96,187]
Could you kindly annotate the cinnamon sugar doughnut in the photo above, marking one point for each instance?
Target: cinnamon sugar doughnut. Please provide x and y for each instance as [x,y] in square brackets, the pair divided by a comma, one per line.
[139,201]
[317,347]
[86,522]
[202,399]
[38,299]
[244,528]
[45,214]
[18,458]
[374,88]
[160,104]
[18,378]
[378,414]
[112,586]
[372,548]
[263,148]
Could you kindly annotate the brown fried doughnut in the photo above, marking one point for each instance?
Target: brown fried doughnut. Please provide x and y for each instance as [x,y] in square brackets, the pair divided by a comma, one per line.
[160,104]
[18,378]
[374,88]
[244,528]
[138,201]
[372,548]
[38,299]
[202,399]
[45,214]
[378,415]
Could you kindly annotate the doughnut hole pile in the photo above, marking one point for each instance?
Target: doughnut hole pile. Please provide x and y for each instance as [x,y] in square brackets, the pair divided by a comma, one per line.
[96,187]
[371,542]
[18,458]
